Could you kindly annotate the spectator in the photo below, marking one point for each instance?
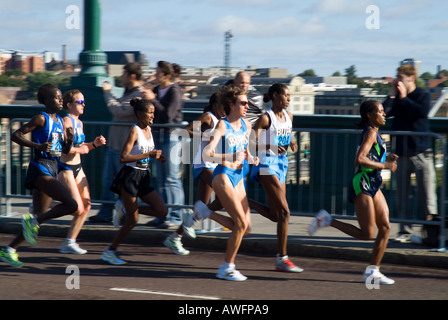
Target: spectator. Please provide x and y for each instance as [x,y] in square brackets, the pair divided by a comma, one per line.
[122,112]
[410,105]
[255,98]
[168,103]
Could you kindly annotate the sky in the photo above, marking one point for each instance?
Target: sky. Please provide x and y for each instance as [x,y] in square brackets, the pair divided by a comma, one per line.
[323,35]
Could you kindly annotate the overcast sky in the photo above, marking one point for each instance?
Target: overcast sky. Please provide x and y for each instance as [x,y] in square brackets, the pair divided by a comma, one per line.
[323,35]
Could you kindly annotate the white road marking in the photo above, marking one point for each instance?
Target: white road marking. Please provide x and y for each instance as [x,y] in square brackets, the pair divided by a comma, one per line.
[164,293]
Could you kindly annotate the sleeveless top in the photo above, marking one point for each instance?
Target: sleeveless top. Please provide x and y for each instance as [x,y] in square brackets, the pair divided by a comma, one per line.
[278,133]
[234,141]
[197,161]
[376,153]
[53,132]
[142,145]
[79,137]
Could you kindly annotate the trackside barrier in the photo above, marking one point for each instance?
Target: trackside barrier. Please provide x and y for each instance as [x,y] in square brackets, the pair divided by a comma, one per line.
[317,178]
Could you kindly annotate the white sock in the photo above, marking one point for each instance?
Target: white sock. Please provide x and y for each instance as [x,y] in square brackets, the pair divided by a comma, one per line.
[372,268]
[281,257]
[228,265]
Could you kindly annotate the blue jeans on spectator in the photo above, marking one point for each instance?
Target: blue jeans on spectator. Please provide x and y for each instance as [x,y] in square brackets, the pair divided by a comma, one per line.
[112,166]
[168,174]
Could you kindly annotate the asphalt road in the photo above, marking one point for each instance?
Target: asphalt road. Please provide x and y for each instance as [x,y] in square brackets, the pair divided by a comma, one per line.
[154,273]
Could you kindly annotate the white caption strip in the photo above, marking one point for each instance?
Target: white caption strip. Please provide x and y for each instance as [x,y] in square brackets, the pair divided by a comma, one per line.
[164,293]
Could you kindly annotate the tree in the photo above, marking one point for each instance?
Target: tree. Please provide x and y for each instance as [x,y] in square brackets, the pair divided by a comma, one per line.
[350,72]
[426,76]
[37,79]
[307,73]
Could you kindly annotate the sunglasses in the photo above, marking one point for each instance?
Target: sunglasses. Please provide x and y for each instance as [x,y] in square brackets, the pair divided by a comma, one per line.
[244,103]
[80,101]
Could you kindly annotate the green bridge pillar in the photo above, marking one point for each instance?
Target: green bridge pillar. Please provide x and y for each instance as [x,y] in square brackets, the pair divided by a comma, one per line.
[93,61]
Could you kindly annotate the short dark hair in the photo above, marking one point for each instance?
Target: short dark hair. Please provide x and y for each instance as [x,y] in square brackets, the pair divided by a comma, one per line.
[140,104]
[364,109]
[45,91]
[134,68]
[275,88]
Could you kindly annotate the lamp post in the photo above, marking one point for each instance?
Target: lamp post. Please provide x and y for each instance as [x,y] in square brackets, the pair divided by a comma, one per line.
[92,59]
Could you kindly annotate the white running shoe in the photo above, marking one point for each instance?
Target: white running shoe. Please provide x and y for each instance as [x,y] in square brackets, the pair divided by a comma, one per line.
[176,246]
[373,275]
[201,210]
[230,273]
[189,218]
[118,214]
[321,220]
[111,257]
[71,248]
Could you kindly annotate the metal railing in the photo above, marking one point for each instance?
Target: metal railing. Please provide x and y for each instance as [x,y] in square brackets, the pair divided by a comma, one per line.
[317,178]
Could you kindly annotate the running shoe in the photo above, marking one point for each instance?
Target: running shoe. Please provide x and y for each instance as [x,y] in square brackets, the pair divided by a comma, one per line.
[74,248]
[30,228]
[404,238]
[176,246]
[230,273]
[10,257]
[285,265]
[373,275]
[321,220]
[190,219]
[201,210]
[189,231]
[119,213]
[111,257]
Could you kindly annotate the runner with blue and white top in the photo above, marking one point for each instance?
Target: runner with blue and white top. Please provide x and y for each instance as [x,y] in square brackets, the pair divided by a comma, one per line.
[71,173]
[228,148]
[273,131]
[200,130]
[47,140]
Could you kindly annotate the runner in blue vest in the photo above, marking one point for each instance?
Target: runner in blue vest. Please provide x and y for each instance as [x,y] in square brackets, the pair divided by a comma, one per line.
[70,170]
[49,141]
[229,148]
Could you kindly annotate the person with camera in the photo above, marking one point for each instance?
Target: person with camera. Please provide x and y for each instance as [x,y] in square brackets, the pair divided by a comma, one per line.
[410,105]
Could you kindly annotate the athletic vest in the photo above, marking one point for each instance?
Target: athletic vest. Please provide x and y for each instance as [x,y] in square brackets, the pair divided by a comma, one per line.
[234,141]
[79,137]
[53,132]
[278,133]
[197,161]
[142,145]
[376,153]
